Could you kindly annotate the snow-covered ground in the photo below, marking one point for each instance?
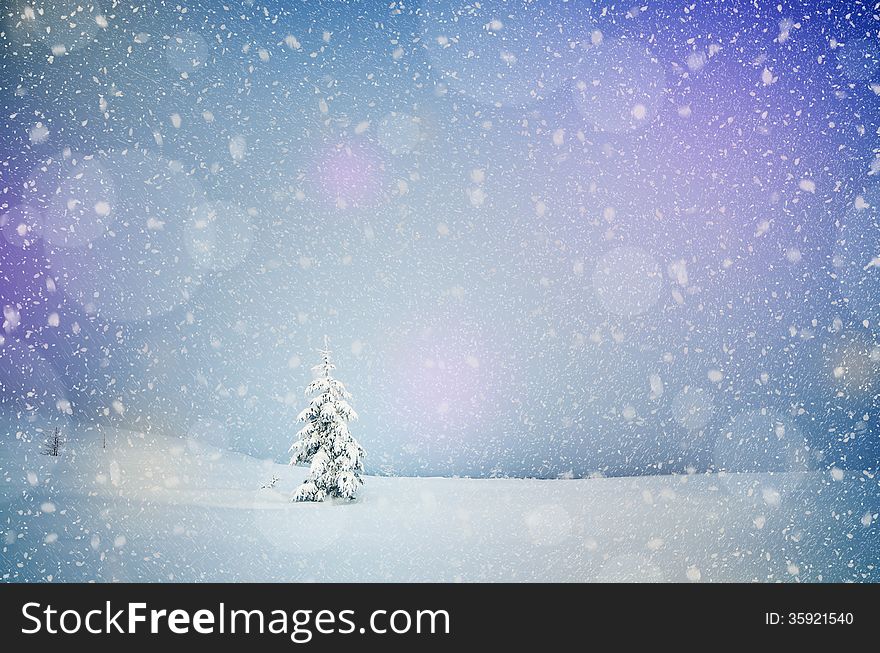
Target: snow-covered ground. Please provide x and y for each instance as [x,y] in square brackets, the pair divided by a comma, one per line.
[163,509]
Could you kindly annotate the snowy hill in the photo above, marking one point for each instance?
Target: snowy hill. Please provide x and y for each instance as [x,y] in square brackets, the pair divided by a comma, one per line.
[157,509]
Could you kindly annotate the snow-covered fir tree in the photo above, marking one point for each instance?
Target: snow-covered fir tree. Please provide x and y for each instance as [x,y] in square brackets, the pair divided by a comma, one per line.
[335,458]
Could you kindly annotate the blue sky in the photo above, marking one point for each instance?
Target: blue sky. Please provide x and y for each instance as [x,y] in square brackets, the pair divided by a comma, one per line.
[546,238]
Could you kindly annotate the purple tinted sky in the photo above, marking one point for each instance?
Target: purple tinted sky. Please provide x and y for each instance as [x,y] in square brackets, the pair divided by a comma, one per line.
[545,239]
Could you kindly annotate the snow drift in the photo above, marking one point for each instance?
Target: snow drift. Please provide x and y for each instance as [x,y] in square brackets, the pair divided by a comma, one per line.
[163,509]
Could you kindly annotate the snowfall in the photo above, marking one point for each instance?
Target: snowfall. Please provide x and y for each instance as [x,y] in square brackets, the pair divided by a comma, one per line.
[156,508]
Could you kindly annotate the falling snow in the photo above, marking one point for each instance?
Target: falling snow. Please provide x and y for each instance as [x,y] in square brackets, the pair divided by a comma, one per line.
[632,249]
